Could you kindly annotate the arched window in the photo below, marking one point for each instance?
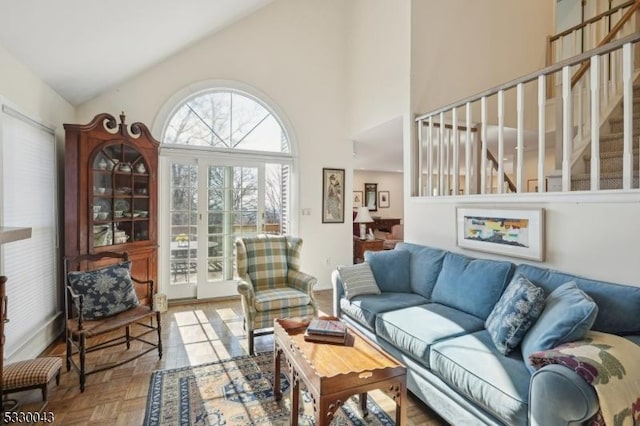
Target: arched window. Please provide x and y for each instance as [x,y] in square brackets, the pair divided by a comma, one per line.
[226,119]
[227,161]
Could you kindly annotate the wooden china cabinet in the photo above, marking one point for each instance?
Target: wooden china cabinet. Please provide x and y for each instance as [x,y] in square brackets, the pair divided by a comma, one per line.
[111,193]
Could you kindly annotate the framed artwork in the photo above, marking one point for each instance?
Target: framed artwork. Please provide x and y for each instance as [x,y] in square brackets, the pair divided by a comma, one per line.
[371,196]
[357,199]
[532,185]
[332,195]
[510,232]
[383,199]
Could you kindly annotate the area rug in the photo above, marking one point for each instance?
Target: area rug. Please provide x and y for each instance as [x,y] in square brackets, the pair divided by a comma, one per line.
[237,391]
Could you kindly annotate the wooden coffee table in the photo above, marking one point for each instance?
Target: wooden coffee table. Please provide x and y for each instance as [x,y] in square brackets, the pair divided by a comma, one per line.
[332,373]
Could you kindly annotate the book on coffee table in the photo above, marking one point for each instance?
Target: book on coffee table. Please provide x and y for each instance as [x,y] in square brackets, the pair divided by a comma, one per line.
[325,338]
[327,327]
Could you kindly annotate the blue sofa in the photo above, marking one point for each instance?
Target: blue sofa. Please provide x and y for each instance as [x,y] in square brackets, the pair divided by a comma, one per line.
[431,315]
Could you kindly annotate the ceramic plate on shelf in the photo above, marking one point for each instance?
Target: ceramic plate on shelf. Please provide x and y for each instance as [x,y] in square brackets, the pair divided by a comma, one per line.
[105,206]
[121,205]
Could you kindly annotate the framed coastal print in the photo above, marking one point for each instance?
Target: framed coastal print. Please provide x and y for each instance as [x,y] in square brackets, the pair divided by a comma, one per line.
[509,232]
[357,199]
[332,195]
[383,199]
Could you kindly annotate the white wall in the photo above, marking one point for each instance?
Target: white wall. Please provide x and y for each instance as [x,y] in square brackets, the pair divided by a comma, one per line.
[460,47]
[24,91]
[293,52]
[379,53]
[590,236]
[387,181]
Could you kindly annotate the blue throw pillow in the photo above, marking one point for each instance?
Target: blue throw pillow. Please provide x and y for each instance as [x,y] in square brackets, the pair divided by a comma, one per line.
[518,308]
[391,268]
[567,316]
[471,285]
[107,291]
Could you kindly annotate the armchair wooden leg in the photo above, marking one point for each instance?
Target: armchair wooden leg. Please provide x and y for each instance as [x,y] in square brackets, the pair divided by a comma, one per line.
[128,336]
[250,337]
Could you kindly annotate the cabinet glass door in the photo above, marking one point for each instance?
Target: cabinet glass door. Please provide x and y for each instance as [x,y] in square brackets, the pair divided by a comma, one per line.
[210,205]
[120,193]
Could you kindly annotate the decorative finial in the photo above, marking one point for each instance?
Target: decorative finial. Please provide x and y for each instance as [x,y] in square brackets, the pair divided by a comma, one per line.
[122,117]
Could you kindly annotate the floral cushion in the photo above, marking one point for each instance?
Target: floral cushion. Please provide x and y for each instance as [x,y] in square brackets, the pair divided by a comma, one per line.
[518,308]
[106,291]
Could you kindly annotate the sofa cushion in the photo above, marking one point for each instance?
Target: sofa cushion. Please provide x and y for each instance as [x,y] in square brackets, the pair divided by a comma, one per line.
[425,266]
[413,330]
[567,316]
[357,280]
[618,304]
[518,308]
[471,285]
[472,365]
[365,308]
[391,269]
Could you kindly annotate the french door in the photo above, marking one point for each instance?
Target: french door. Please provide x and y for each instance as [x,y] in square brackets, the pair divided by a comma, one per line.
[207,205]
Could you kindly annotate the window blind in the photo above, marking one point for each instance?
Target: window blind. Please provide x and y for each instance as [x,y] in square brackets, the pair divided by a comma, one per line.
[28,182]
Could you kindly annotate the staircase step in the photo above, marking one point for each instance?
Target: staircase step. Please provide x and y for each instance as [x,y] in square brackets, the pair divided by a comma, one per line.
[616,123]
[612,161]
[582,181]
[614,142]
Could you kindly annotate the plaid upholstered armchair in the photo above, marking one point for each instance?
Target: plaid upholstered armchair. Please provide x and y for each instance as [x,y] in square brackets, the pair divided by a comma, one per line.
[271,284]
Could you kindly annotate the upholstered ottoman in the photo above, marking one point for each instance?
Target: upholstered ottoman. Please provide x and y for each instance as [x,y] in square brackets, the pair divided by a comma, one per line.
[31,374]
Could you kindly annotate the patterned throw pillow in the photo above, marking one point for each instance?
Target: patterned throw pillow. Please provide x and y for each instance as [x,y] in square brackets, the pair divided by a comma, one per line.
[107,291]
[518,308]
[357,280]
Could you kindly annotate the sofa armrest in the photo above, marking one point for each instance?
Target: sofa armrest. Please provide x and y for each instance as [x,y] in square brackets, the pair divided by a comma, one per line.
[338,293]
[559,396]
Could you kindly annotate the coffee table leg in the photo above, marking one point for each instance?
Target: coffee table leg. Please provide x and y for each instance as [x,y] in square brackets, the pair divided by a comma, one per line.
[401,405]
[277,392]
[363,404]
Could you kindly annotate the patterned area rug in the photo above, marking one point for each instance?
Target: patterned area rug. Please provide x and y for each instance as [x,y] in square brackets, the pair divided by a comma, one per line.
[237,391]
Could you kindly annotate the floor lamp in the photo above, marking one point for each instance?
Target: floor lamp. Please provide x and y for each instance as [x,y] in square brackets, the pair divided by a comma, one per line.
[363,217]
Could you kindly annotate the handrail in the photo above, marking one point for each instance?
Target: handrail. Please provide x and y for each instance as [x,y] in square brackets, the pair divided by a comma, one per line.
[591,20]
[625,18]
[614,45]
[494,162]
[450,126]
[490,156]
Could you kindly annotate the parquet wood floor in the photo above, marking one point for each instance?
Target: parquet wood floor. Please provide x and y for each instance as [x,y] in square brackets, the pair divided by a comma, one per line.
[193,333]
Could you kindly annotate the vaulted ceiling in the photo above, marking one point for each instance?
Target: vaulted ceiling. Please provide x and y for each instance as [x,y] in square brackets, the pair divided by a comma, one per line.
[81,48]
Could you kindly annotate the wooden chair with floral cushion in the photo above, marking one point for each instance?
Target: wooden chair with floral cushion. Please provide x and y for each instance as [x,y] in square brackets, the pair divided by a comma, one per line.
[271,284]
[102,299]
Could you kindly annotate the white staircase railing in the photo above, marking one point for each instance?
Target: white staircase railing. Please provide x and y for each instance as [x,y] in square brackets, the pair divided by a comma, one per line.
[453,162]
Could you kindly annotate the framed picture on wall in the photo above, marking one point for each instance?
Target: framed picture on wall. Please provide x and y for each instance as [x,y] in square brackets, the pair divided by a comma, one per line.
[357,199]
[371,196]
[383,199]
[506,231]
[332,195]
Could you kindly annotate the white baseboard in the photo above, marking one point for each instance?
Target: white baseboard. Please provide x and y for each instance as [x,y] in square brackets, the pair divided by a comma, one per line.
[38,342]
